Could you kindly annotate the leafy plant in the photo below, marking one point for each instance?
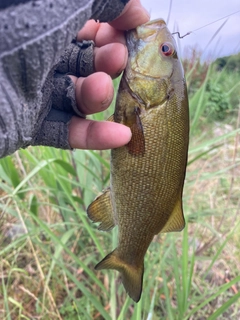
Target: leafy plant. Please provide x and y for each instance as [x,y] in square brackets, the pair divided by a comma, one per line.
[212,90]
[217,105]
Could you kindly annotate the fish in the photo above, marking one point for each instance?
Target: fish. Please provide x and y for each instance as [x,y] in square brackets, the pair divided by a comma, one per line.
[147,174]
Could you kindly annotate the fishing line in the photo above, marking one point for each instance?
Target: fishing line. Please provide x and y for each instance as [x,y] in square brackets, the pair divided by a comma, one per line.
[188,33]
[169,11]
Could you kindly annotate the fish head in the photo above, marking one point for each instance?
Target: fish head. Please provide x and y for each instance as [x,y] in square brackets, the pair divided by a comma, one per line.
[154,72]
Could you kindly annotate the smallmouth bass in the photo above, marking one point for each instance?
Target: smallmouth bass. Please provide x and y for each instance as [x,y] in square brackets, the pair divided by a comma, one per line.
[147,175]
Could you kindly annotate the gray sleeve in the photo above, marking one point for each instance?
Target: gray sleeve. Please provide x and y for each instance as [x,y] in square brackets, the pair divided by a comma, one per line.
[34,35]
[106,11]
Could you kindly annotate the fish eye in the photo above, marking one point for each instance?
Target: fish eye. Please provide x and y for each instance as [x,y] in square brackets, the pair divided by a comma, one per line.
[167,49]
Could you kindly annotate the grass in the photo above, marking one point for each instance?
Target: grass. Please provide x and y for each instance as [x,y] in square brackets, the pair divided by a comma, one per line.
[49,247]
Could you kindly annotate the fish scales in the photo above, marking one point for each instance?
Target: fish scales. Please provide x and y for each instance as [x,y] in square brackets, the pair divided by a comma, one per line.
[147,175]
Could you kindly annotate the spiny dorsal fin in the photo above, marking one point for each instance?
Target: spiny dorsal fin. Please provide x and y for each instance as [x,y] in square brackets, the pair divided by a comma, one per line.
[100,210]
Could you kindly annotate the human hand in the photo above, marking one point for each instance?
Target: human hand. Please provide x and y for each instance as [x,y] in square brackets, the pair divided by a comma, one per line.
[37,97]
[95,92]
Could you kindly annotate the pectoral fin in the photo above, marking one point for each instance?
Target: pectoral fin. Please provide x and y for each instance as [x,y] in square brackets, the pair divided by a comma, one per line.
[111,118]
[136,145]
[100,210]
[176,220]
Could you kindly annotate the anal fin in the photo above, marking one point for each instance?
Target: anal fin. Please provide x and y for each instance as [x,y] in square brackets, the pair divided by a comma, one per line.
[100,210]
[176,220]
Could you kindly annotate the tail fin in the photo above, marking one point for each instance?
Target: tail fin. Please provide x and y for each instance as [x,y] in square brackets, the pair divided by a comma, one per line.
[132,276]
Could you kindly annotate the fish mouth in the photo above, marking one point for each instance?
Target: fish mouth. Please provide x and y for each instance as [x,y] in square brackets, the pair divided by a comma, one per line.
[136,38]
[141,31]
[157,22]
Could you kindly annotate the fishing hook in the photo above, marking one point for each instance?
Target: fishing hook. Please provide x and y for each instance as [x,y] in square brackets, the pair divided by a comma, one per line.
[179,36]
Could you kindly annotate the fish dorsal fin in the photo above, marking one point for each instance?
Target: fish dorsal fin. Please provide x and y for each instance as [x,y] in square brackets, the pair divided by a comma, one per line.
[100,210]
[136,146]
[176,220]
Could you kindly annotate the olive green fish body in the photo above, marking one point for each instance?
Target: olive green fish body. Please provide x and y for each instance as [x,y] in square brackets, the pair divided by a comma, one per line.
[147,175]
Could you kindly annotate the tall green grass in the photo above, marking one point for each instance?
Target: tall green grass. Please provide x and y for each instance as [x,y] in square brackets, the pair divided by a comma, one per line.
[49,247]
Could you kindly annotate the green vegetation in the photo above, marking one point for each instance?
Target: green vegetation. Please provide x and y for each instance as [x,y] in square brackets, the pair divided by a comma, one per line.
[48,247]
[219,84]
[229,63]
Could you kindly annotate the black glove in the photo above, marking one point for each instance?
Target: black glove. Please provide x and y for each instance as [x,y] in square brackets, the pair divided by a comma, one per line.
[77,60]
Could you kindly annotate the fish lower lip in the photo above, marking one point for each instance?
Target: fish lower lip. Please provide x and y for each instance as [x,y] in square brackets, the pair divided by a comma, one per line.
[156,21]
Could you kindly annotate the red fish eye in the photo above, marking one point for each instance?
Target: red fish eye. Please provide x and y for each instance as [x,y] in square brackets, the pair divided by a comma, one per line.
[167,49]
